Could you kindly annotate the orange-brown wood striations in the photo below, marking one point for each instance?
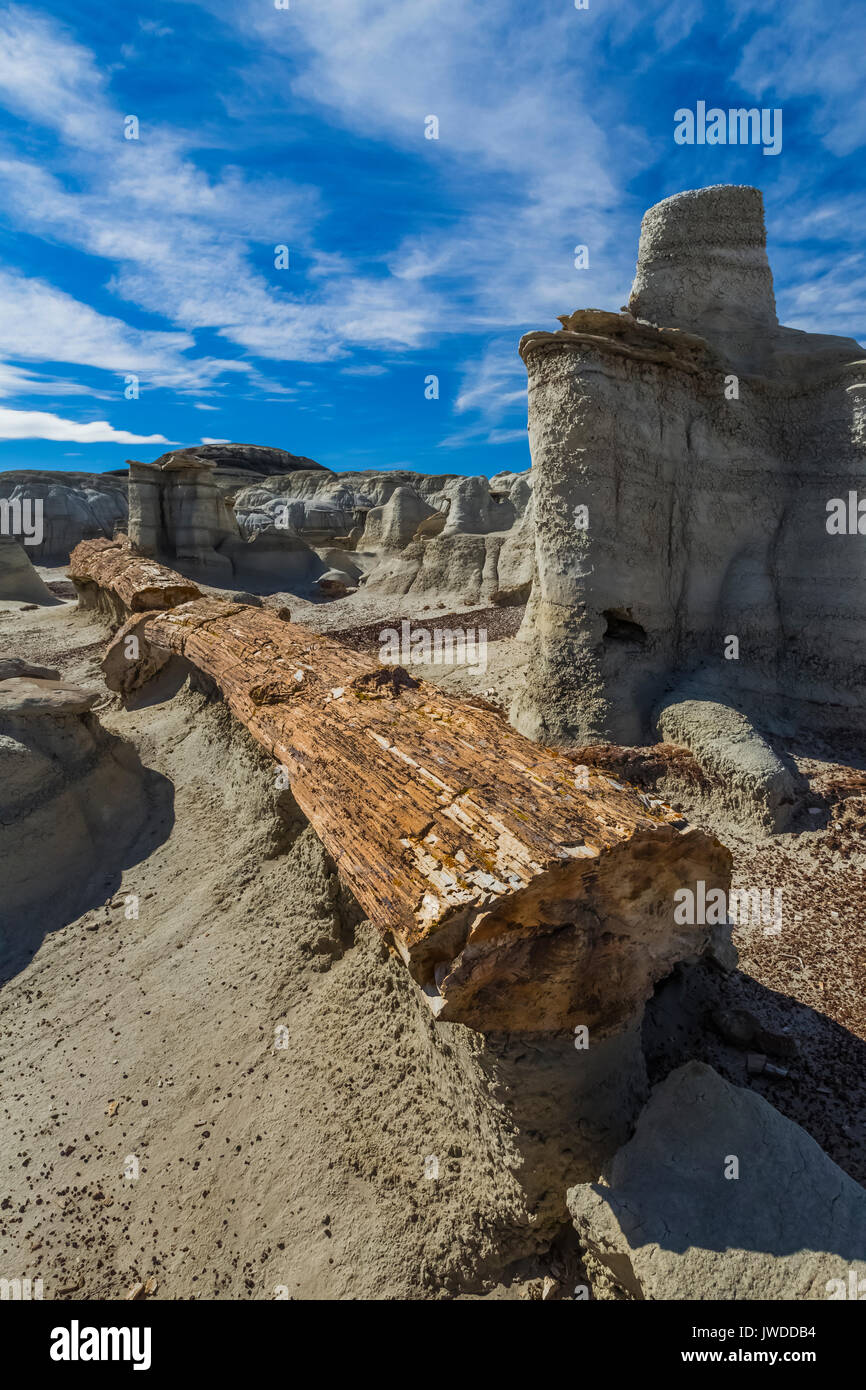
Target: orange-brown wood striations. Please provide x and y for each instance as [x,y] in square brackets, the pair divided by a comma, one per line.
[518,898]
[139,584]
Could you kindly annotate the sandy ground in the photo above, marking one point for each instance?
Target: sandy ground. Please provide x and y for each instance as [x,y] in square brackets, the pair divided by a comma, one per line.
[267,1162]
[239,1093]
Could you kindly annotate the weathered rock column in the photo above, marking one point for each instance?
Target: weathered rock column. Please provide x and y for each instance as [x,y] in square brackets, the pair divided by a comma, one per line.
[611,513]
[685,455]
[176,511]
[146,529]
[702,266]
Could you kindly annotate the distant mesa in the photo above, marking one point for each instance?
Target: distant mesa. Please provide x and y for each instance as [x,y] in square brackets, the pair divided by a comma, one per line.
[247,458]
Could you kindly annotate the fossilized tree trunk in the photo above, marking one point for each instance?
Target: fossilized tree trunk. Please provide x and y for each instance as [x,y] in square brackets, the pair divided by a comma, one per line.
[522,893]
[137,583]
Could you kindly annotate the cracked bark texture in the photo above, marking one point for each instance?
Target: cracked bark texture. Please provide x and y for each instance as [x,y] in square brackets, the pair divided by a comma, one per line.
[519,897]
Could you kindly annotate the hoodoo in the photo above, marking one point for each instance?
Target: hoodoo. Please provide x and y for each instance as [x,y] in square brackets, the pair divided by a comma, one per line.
[683,455]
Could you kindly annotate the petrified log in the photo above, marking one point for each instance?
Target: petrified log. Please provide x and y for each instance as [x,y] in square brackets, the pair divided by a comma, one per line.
[136,583]
[523,893]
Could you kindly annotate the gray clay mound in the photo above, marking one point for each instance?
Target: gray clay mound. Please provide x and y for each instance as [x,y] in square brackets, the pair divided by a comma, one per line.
[75,803]
[19,581]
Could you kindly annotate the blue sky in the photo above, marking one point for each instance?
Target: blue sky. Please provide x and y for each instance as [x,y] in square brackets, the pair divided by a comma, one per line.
[408,257]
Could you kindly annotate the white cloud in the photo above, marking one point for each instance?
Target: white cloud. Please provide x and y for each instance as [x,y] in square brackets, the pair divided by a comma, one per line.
[152,26]
[206,440]
[479,435]
[39,322]
[181,240]
[506,436]
[42,324]
[493,384]
[19,381]
[39,424]
[807,56]
[181,249]
[45,76]
[539,129]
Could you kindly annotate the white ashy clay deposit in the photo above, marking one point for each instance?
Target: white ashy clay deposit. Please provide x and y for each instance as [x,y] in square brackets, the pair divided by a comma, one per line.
[232,952]
[684,453]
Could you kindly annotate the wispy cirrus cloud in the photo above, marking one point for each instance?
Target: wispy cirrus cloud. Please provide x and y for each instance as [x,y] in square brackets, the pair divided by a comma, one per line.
[493,77]
[805,56]
[40,323]
[306,128]
[19,381]
[46,77]
[183,243]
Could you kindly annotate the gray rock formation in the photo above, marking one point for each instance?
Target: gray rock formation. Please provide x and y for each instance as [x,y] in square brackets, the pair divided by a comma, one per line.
[26,697]
[179,513]
[670,1221]
[474,545]
[14,666]
[475,509]
[745,772]
[406,533]
[334,584]
[237,465]
[275,557]
[702,266]
[74,506]
[185,509]
[245,458]
[342,575]
[683,461]
[220,512]
[393,525]
[19,581]
[320,506]
[176,511]
[71,801]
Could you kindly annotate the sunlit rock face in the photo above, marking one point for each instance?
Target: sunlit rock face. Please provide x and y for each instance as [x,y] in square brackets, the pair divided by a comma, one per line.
[408,534]
[702,266]
[177,512]
[683,465]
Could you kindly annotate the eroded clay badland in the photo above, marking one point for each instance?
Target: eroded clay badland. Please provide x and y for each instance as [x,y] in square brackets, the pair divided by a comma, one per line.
[423,886]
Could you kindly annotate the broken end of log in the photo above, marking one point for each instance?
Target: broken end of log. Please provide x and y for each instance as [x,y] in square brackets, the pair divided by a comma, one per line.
[132,582]
[584,943]
[523,898]
[131,660]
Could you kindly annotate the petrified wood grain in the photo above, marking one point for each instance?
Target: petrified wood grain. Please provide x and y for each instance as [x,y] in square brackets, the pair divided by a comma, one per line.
[523,893]
[137,583]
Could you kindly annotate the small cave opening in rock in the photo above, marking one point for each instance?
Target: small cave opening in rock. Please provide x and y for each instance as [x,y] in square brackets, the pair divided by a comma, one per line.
[621,626]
